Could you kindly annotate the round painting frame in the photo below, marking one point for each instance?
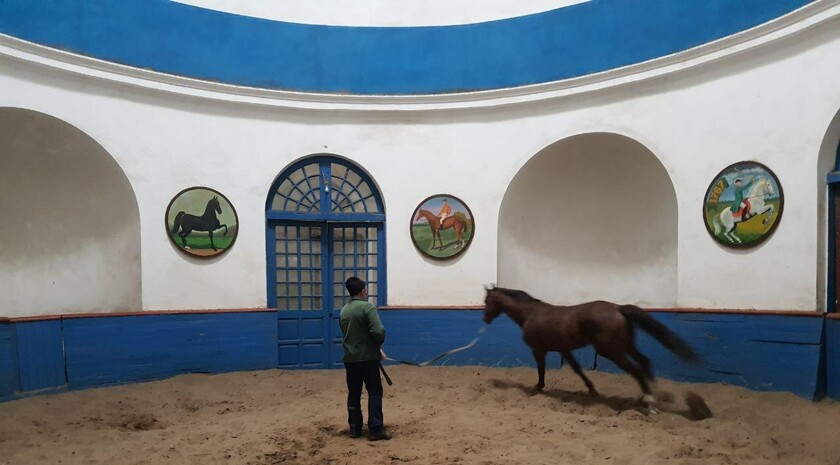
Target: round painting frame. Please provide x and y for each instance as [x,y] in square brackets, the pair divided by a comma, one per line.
[189,251]
[414,222]
[715,185]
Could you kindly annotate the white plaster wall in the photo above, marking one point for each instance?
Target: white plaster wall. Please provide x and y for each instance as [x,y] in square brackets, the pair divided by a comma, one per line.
[70,228]
[591,217]
[771,104]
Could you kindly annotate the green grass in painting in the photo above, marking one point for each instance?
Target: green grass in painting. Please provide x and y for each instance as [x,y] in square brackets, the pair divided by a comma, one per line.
[201,240]
[422,233]
[750,230]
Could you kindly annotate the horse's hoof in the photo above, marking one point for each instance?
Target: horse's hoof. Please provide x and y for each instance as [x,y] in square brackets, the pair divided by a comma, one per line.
[186,247]
[649,401]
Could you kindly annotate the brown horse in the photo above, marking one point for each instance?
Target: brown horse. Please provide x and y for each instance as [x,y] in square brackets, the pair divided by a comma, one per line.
[607,326]
[455,221]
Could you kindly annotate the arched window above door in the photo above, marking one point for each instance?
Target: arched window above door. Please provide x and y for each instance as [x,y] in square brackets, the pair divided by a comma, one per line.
[324,187]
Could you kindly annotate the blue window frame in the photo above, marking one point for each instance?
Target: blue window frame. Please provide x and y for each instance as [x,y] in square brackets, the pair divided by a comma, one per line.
[325,222]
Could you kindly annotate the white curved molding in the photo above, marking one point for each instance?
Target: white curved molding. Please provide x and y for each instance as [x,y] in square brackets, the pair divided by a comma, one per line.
[381,13]
[804,18]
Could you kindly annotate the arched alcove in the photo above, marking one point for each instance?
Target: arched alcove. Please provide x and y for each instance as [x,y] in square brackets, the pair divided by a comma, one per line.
[593,216]
[828,189]
[71,226]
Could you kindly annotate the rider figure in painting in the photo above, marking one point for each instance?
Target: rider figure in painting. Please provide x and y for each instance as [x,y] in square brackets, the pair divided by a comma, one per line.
[445,211]
[741,203]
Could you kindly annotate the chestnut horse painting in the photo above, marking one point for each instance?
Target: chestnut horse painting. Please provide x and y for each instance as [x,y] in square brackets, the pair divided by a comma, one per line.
[609,327]
[458,222]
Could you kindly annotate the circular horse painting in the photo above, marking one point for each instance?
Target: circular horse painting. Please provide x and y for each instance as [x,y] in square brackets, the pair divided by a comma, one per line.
[743,204]
[442,226]
[201,222]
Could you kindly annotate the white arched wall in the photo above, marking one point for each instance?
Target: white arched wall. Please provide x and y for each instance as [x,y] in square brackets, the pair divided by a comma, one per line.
[71,229]
[768,100]
[590,217]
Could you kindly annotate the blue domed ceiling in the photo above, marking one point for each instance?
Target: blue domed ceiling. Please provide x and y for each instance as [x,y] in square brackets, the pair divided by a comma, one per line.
[577,40]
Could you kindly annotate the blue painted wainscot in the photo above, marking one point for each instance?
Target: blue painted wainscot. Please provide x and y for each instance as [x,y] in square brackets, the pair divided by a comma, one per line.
[768,351]
[832,356]
[82,351]
[9,381]
[765,351]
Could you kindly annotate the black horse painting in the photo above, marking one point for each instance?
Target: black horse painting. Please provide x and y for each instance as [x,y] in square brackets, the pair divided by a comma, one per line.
[207,222]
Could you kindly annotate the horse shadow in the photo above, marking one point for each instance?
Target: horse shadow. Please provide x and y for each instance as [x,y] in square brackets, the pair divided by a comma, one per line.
[618,404]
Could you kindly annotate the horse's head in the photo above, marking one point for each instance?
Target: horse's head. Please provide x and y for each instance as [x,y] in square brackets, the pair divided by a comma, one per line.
[763,187]
[214,202]
[419,216]
[492,303]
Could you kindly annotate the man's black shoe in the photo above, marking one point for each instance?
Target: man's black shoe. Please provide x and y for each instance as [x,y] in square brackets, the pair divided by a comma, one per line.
[379,435]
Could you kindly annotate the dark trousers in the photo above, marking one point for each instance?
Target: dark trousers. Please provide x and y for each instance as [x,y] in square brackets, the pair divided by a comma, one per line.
[366,373]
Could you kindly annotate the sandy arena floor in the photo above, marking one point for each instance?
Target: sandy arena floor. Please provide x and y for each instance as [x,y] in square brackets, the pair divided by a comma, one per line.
[465,415]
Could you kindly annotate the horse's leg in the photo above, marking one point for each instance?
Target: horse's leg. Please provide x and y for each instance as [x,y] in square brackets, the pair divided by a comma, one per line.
[772,210]
[539,356]
[213,246]
[570,359]
[184,233]
[643,361]
[223,226]
[636,372]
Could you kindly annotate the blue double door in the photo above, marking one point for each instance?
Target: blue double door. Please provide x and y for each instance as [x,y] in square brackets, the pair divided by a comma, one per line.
[312,261]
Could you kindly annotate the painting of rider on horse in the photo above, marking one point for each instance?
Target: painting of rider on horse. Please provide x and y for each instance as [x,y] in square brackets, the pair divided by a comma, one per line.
[743,205]
[442,226]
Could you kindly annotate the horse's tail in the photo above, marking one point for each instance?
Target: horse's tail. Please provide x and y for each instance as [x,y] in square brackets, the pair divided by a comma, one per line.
[177,222]
[660,332]
[460,217]
[716,224]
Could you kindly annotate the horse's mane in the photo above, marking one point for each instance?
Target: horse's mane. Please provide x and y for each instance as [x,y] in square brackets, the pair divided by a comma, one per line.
[517,294]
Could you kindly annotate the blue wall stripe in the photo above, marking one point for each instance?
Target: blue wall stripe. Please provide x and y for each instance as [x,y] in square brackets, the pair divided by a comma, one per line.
[136,348]
[40,355]
[581,39]
[832,358]
[9,382]
[760,352]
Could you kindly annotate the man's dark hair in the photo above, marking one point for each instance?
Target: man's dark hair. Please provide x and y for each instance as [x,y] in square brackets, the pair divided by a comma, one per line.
[354,286]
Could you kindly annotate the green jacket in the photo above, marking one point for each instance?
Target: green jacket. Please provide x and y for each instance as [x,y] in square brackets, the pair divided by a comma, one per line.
[739,195]
[363,331]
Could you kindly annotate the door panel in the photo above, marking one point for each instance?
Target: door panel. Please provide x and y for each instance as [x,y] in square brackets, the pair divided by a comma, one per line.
[309,305]
[834,306]
[353,250]
[302,319]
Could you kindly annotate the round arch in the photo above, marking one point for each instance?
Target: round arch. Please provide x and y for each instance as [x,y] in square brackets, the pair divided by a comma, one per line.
[828,204]
[592,216]
[325,222]
[71,227]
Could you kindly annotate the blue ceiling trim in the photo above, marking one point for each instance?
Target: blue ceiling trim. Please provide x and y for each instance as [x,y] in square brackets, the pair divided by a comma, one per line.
[564,43]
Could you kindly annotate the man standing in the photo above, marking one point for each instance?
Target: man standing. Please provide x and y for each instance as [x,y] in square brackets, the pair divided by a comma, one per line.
[740,202]
[363,337]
